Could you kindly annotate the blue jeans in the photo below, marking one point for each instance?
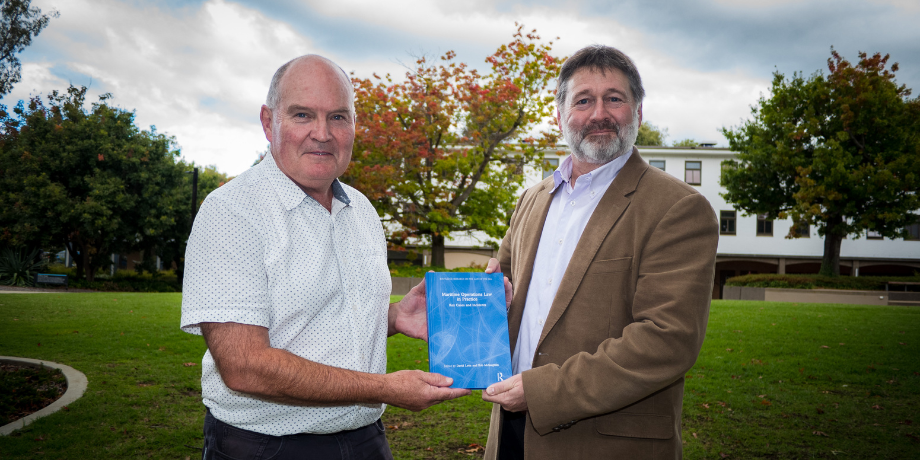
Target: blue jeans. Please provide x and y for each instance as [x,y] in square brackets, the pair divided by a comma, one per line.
[227,442]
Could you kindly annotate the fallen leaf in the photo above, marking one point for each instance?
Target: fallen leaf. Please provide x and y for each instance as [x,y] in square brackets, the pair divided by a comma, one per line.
[877,407]
[723,455]
[188,364]
[721,403]
[428,448]
[901,343]
[694,436]
[820,410]
[824,346]
[761,396]
[40,438]
[728,350]
[906,422]
[392,427]
[841,343]
[820,433]
[39,344]
[417,361]
[705,406]
[765,402]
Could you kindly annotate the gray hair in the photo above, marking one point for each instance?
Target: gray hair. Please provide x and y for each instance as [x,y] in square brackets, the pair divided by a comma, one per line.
[274,89]
[601,58]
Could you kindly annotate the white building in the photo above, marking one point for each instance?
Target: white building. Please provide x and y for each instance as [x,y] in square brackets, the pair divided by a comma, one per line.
[747,244]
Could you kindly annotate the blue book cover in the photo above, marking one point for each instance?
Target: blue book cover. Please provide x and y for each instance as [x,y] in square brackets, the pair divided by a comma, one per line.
[468,328]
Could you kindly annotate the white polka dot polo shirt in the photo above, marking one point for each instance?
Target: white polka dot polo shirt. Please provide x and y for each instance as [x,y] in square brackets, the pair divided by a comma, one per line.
[263,252]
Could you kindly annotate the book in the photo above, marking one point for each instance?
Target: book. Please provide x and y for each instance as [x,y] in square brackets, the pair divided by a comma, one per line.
[468,328]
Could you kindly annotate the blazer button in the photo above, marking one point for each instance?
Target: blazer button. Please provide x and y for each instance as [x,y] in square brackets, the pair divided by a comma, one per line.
[556,429]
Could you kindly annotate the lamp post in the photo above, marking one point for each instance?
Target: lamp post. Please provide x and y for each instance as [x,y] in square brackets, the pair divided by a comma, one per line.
[194,198]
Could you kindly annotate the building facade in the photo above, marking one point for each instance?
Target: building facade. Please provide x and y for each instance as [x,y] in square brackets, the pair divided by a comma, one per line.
[747,243]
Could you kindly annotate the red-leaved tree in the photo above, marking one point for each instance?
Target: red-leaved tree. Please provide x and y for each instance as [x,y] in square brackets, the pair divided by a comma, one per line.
[444,150]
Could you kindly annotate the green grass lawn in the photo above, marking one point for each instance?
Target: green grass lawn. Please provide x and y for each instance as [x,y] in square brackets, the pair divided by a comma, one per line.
[765,385]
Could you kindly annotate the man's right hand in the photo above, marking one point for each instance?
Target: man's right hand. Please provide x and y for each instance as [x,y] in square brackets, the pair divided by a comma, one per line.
[416,390]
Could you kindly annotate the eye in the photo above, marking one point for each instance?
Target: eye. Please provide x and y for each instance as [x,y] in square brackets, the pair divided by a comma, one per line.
[581,101]
[338,117]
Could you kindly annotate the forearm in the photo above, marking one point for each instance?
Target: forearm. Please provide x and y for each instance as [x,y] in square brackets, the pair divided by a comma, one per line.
[249,365]
[280,376]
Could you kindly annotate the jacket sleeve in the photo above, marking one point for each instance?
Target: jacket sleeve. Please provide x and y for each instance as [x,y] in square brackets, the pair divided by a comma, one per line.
[669,309]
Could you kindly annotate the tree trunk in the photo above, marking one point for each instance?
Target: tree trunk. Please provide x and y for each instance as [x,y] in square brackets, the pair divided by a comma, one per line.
[830,262]
[437,250]
[88,267]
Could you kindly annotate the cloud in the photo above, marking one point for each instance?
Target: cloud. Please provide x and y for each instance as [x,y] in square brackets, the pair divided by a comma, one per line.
[199,70]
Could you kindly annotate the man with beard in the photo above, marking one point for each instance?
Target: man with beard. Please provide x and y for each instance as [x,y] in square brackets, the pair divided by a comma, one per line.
[612,263]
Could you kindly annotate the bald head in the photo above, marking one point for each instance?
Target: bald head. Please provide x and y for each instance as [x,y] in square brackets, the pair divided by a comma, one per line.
[309,60]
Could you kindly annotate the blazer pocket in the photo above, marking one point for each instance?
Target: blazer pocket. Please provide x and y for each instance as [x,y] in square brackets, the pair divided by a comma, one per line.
[609,266]
[651,426]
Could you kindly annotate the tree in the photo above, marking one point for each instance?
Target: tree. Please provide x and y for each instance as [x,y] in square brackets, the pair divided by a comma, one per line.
[444,150]
[170,243]
[651,135]
[87,179]
[840,152]
[688,142]
[20,22]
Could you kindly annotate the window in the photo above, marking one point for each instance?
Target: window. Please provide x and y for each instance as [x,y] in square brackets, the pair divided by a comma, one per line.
[873,235]
[727,222]
[692,170]
[913,231]
[802,230]
[549,165]
[657,163]
[764,226]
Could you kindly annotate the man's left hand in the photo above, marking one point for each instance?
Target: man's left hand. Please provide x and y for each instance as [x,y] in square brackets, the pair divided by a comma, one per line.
[509,393]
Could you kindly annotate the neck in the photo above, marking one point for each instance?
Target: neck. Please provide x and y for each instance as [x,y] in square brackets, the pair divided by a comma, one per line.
[321,192]
[582,167]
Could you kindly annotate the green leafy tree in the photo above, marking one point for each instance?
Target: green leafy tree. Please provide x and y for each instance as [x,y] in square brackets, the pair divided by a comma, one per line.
[169,244]
[840,152]
[444,150]
[686,143]
[651,135]
[20,22]
[89,180]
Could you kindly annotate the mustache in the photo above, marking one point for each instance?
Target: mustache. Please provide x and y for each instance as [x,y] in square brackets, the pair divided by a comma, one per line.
[600,126]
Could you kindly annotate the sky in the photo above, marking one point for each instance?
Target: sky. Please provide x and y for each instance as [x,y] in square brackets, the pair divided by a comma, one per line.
[200,70]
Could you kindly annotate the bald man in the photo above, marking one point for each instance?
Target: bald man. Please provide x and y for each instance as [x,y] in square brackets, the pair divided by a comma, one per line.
[286,278]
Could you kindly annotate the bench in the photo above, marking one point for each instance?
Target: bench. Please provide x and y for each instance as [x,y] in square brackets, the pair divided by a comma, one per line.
[48,278]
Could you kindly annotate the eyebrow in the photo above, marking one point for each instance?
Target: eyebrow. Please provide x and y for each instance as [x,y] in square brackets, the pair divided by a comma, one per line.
[607,91]
[300,108]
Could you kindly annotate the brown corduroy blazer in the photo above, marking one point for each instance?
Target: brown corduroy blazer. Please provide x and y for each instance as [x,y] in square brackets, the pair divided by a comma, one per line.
[627,321]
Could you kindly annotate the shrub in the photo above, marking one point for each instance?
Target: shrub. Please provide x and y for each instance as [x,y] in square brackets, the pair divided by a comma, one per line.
[861,283]
[17,269]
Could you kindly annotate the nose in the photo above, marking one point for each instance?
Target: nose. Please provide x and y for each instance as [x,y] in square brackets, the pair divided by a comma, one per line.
[320,131]
[600,113]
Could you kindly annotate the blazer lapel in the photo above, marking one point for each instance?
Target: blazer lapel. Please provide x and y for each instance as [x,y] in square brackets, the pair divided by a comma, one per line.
[608,212]
[533,229]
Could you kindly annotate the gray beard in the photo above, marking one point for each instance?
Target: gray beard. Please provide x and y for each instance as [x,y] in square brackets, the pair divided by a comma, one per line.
[602,151]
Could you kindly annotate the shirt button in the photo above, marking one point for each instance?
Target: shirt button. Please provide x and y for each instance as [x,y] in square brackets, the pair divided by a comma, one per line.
[549,281]
[573,203]
[560,240]
[354,308]
[540,321]
[592,193]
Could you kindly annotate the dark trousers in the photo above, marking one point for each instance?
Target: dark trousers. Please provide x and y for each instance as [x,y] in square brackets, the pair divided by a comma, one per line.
[511,446]
[227,442]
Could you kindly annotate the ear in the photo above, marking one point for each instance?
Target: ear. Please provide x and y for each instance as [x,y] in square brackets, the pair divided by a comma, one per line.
[265,116]
[558,118]
[640,114]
